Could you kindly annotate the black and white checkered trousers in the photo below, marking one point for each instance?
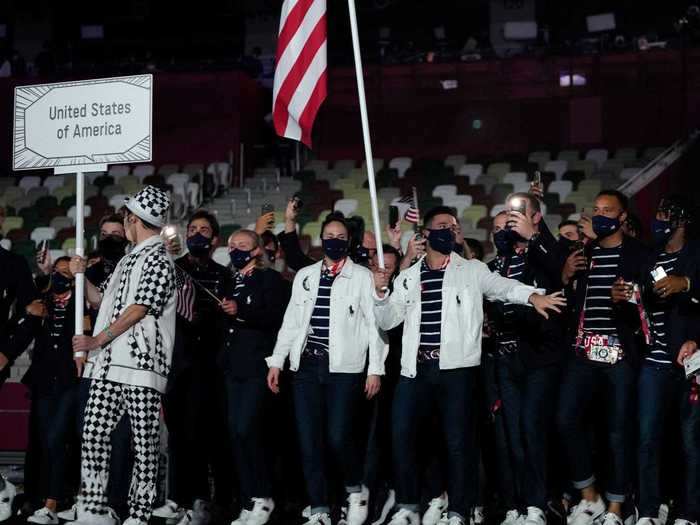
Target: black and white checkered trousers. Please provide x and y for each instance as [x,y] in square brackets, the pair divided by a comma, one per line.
[107,402]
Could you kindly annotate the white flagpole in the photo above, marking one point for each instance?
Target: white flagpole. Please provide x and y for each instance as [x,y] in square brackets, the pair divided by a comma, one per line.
[79,250]
[365,132]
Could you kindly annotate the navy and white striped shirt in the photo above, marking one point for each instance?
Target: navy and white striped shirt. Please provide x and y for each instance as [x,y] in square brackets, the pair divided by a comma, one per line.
[598,308]
[658,318]
[317,340]
[431,312]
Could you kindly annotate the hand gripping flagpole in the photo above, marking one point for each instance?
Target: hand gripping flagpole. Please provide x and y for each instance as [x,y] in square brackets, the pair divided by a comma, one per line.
[365,132]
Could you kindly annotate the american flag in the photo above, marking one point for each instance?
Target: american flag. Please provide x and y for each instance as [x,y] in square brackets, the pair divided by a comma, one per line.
[185,294]
[300,74]
[412,215]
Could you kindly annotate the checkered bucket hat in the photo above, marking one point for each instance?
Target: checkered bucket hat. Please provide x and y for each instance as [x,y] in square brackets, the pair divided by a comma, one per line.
[150,205]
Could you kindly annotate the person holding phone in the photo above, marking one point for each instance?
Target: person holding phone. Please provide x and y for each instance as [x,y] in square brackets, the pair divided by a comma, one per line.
[336,354]
[439,301]
[664,393]
[253,306]
[603,334]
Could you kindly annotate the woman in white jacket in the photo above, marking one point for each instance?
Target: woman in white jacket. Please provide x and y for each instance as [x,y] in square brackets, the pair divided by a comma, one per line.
[327,334]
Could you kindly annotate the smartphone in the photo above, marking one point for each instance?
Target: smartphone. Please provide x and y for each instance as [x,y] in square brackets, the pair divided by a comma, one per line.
[298,203]
[518,204]
[267,208]
[658,273]
[43,251]
[169,232]
[393,216]
[538,179]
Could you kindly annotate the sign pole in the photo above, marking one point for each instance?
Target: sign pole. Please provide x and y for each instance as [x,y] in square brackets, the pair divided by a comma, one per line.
[365,132]
[79,250]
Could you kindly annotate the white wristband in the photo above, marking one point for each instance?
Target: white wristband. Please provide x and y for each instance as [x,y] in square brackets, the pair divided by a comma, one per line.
[78,355]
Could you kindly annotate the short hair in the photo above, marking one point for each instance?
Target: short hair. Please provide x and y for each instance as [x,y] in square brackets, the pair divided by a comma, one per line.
[116,218]
[335,216]
[475,247]
[64,258]
[567,223]
[261,261]
[437,210]
[621,197]
[207,216]
[390,250]
[534,201]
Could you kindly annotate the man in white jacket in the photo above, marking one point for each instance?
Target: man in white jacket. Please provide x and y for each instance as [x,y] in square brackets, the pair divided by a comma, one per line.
[327,333]
[128,360]
[439,301]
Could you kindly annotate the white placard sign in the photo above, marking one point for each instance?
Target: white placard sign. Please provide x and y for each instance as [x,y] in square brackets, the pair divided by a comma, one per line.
[102,121]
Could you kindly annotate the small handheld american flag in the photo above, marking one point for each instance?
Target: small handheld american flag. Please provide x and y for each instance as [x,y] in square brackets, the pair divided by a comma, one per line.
[412,215]
[185,294]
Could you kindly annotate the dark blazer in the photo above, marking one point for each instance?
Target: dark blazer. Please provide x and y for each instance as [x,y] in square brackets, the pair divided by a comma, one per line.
[632,268]
[540,339]
[250,337]
[684,318]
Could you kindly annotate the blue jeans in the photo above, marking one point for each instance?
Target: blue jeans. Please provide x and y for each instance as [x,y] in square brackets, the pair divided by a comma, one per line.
[663,395]
[527,396]
[56,413]
[580,382]
[326,407]
[450,394]
[246,409]
[122,457]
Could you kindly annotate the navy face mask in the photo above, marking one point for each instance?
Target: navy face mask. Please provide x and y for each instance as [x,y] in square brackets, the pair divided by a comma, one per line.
[239,258]
[442,240]
[60,284]
[335,249]
[503,241]
[605,226]
[661,231]
[199,245]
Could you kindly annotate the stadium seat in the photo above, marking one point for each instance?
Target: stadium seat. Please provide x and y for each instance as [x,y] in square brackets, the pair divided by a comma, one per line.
[473,171]
[29,181]
[378,164]
[54,181]
[168,169]
[514,177]
[575,177]
[6,243]
[558,167]
[12,223]
[569,155]
[599,156]
[626,155]
[21,203]
[590,188]
[68,245]
[562,188]
[479,234]
[401,164]
[11,193]
[143,170]
[500,192]
[56,254]
[552,221]
[456,161]
[540,157]
[343,166]
[193,169]
[521,187]
[117,171]
[222,256]
[487,181]
[346,206]
[312,165]
[613,166]
[445,190]
[586,166]
[628,173]
[43,233]
[111,191]
[551,200]
[498,169]
[63,192]
[458,202]
[578,199]
[72,211]
[34,194]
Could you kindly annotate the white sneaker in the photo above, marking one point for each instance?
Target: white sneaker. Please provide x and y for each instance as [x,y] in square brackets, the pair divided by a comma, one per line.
[134,521]
[201,515]
[454,520]
[435,510]
[320,518]
[611,518]
[87,518]
[535,516]
[405,517]
[513,517]
[648,521]
[242,518]
[169,511]
[186,518]
[586,512]
[684,522]
[663,513]
[343,516]
[478,516]
[43,516]
[70,514]
[7,496]
[358,506]
[386,508]
[262,508]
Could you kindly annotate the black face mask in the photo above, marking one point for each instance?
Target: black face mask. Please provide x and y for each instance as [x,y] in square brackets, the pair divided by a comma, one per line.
[335,249]
[199,245]
[567,243]
[60,284]
[442,240]
[112,247]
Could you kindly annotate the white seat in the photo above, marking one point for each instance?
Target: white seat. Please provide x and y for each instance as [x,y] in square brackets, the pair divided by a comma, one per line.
[456,161]
[43,233]
[401,164]
[459,202]
[498,208]
[346,206]
[53,182]
[7,244]
[521,187]
[473,171]
[558,167]
[119,170]
[445,190]
[143,170]
[540,157]
[514,177]
[117,201]
[221,172]
[221,256]
[179,183]
[599,156]
[628,173]
[562,187]
[480,234]
[87,211]
[29,181]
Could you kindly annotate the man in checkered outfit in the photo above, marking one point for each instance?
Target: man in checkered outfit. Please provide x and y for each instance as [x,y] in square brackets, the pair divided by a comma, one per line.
[128,359]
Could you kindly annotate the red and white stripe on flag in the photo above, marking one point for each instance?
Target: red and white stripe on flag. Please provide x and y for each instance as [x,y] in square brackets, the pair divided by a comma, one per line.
[300,73]
[412,215]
